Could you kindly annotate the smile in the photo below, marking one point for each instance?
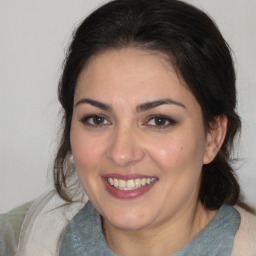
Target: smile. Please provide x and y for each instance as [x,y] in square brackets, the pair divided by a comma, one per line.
[131,184]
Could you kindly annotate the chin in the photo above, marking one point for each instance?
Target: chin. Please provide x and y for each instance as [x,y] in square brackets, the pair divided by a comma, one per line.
[129,225]
[129,220]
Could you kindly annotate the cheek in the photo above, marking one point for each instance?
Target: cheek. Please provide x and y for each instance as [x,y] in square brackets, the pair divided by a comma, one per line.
[179,153]
[180,161]
[86,150]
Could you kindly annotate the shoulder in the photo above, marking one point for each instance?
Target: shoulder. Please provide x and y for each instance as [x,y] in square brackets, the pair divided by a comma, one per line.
[245,239]
[10,226]
[44,223]
[25,229]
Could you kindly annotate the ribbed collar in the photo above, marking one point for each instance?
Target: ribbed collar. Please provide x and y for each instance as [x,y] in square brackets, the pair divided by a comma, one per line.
[84,237]
[217,238]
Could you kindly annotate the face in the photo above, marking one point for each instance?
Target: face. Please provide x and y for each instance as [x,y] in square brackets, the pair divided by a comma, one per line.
[138,139]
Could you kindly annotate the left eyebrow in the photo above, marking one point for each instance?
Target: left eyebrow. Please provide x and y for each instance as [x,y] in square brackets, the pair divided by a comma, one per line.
[153,104]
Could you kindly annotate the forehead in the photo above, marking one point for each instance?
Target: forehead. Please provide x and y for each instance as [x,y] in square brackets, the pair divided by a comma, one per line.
[130,74]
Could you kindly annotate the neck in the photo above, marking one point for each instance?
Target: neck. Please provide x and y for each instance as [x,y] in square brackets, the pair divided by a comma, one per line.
[165,239]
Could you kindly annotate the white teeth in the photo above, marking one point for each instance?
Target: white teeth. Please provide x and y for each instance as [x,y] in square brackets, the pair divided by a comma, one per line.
[122,183]
[116,183]
[130,184]
[137,182]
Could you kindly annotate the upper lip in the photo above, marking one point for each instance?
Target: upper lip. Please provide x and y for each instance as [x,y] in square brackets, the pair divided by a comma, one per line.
[126,176]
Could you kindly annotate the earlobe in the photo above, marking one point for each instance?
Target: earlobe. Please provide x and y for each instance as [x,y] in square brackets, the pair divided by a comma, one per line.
[215,138]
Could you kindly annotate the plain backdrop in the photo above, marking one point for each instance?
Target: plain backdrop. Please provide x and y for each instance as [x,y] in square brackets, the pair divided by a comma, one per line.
[33,40]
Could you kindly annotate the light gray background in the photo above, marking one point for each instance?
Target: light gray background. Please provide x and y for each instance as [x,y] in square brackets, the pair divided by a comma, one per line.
[33,38]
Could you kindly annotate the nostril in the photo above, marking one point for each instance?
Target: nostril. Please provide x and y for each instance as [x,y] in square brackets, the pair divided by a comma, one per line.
[125,157]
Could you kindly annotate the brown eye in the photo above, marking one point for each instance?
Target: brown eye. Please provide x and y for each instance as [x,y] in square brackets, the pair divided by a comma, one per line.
[95,120]
[98,120]
[161,122]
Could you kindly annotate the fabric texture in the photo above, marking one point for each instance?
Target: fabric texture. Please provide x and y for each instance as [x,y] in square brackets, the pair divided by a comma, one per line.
[83,235]
[245,239]
[44,224]
[10,227]
[37,230]
[47,217]
[217,238]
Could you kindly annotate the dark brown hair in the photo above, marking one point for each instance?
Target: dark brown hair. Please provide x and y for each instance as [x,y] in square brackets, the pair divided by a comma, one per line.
[196,50]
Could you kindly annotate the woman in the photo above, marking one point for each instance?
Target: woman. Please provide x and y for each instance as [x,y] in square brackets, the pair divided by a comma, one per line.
[148,93]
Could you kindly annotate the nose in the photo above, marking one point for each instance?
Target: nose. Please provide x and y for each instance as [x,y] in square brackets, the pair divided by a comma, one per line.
[125,148]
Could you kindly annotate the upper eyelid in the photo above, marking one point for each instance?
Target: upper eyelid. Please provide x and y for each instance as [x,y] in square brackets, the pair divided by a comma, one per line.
[92,115]
[161,116]
[87,117]
[168,119]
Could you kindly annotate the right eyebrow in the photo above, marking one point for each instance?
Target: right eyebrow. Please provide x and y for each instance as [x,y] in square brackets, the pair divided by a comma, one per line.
[94,103]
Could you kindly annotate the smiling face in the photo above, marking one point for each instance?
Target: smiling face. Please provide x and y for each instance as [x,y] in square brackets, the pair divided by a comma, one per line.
[138,139]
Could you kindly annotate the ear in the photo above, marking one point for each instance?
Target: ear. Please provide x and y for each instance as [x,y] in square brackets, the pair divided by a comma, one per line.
[215,137]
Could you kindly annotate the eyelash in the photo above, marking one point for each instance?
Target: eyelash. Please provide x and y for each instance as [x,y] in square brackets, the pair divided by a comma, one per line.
[164,119]
[85,120]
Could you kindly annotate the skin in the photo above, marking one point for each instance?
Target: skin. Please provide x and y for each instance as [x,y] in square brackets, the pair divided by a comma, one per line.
[129,140]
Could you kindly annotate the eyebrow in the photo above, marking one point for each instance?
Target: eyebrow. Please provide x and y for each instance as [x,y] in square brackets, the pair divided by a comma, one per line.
[95,103]
[153,104]
[140,108]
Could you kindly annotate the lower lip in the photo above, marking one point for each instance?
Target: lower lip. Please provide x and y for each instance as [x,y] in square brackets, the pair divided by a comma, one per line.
[127,194]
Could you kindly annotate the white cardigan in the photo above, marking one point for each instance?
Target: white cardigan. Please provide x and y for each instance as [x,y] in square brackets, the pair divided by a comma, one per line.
[245,238]
[49,210]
